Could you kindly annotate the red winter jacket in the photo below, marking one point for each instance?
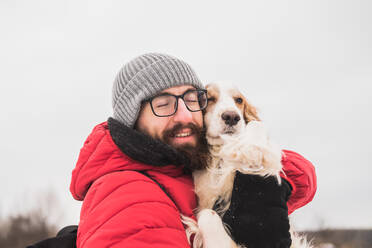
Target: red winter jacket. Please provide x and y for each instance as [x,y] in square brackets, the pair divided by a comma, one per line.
[301,175]
[123,208]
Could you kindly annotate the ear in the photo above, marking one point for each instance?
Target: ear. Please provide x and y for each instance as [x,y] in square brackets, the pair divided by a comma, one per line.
[249,113]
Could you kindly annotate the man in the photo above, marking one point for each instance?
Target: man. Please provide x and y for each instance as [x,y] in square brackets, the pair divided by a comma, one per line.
[133,172]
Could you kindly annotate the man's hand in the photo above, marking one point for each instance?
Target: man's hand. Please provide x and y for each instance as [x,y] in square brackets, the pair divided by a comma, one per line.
[258,213]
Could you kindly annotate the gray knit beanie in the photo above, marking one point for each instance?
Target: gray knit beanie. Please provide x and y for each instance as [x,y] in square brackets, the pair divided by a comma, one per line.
[144,77]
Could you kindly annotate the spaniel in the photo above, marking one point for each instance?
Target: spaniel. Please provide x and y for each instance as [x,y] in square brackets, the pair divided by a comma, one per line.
[238,142]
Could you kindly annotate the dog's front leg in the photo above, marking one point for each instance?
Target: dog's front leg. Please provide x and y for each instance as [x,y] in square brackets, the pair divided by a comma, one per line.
[213,231]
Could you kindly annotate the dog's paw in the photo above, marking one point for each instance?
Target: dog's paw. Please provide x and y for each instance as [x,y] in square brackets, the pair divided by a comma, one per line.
[252,152]
[212,229]
[208,218]
[250,158]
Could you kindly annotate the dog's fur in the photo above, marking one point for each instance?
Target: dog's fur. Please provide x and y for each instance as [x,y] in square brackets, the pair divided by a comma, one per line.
[238,142]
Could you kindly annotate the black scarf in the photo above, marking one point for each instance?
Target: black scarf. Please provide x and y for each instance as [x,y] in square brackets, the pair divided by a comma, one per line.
[143,148]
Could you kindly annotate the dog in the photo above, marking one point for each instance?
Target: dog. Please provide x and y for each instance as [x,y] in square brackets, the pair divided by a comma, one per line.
[238,142]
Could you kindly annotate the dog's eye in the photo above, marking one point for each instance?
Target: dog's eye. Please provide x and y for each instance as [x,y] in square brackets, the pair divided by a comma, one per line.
[238,100]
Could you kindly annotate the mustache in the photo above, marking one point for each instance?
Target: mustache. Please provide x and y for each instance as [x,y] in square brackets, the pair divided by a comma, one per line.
[174,130]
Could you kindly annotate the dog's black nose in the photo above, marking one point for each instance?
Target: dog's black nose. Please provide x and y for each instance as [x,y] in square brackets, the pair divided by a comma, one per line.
[231,118]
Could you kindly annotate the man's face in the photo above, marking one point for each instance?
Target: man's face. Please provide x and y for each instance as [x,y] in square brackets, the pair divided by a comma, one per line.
[178,130]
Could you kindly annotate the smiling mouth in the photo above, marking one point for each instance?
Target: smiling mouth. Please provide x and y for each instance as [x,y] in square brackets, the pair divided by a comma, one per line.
[182,135]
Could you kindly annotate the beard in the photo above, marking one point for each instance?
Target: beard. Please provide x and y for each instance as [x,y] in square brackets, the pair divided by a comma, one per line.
[198,154]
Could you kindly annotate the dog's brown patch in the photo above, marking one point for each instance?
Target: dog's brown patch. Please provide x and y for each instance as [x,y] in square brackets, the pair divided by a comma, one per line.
[248,110]
[213,96]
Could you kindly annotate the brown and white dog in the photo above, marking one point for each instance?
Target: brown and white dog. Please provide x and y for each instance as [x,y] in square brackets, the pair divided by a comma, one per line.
[238,142]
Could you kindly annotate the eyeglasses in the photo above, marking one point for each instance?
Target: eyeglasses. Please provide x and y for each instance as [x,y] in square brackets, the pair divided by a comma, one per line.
[166,104]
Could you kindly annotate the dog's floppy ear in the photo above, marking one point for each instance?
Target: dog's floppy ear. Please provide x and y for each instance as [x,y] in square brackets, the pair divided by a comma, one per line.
[249,112]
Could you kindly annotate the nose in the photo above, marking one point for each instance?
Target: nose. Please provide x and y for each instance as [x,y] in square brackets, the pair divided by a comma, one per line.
[231,118]
[182,114]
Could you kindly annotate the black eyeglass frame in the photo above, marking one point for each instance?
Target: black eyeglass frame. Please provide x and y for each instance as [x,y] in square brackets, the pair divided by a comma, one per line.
[176,103]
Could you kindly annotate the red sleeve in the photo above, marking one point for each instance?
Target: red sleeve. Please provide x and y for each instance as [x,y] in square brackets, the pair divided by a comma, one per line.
[301,175]
[127,209]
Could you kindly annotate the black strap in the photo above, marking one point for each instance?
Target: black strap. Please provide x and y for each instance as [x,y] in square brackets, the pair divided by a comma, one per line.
[160,186]
[66,238]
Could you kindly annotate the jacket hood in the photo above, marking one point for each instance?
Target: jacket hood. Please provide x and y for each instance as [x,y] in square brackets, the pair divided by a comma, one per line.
[113,147]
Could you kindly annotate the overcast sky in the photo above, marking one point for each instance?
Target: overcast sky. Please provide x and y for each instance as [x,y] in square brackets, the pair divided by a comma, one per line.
[307,66]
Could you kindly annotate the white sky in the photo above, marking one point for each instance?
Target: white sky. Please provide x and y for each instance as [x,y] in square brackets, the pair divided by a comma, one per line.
[307,65]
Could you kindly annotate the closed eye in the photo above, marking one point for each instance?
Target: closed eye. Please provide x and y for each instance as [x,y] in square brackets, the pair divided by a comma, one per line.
[162,105]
